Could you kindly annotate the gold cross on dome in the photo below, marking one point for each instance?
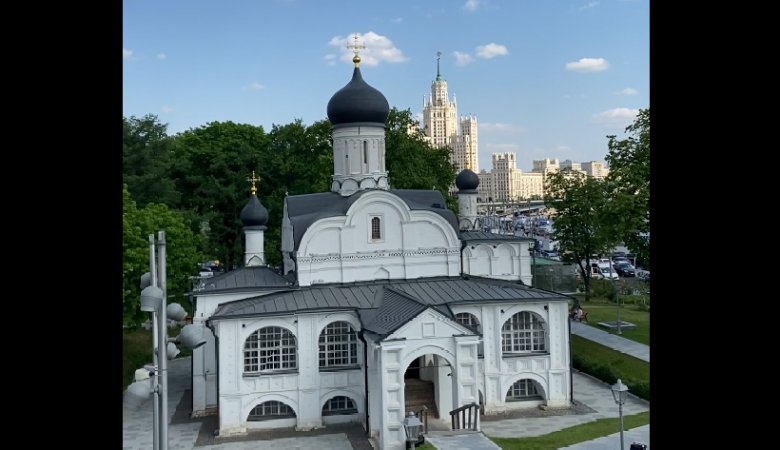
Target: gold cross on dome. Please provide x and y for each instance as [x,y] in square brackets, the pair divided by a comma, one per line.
[253,180]
[355,47]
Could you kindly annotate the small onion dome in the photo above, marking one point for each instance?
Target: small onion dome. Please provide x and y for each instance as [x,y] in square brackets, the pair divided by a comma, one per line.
[358,102]
[254,213]
[467,180]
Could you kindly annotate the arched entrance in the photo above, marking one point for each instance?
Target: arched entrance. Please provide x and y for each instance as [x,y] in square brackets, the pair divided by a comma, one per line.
[428,381]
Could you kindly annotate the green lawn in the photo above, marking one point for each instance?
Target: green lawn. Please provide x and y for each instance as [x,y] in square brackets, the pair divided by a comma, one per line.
[601,311]
[573,435]
[608,365]
[425,446]
[136,351]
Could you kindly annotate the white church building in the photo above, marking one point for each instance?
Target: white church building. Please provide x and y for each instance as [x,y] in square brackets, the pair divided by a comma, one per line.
[386,302]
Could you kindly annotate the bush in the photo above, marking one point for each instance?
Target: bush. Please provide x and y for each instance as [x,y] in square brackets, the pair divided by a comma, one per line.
[602,288]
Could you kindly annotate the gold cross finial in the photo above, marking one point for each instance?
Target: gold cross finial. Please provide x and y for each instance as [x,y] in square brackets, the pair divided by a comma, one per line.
[355,47]
[253,180]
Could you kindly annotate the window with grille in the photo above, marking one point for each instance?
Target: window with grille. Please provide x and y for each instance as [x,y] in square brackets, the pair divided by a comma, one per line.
[270,348]
[376,228]
[270,410]
[523,333]
[338,345]
[339,405]
[525,389]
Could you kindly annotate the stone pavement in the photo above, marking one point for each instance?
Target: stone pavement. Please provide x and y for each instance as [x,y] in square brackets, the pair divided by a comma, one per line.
[640,435]
[470,441]
[618,343]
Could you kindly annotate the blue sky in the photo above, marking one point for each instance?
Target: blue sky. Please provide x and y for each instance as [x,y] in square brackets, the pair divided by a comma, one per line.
[545,78]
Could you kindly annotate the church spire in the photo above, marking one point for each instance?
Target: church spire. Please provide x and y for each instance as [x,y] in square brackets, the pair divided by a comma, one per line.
[438,73]
[253,179]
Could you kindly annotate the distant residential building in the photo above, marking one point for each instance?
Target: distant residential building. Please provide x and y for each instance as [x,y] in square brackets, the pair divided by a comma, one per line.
[546,165]
[595,169]
[440,125]
[571,165]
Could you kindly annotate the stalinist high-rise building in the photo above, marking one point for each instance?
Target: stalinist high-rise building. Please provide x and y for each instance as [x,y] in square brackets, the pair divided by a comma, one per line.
[440,125]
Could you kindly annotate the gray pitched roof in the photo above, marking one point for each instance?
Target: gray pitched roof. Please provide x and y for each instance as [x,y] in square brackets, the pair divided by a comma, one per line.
[394,298]
[395,310]
[304,210]
[486,236]
[252,277]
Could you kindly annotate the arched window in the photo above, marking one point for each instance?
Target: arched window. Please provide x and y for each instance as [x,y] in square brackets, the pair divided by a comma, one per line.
[471,320]
[270,410]
[338,345]
[269,348]
[525,389]
[376,229]
[523,333]
[339,405]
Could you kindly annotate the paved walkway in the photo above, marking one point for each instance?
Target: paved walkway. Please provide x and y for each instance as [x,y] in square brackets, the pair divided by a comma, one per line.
[471,441]
[618,343]
[612,442]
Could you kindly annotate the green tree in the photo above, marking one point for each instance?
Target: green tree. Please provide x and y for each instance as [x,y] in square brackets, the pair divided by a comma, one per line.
[146,161]
[412,163]
[182,255]
[577,201]
[211,166]
[629,186]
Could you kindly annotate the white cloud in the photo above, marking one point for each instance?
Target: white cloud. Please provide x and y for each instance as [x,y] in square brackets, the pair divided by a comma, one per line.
[589,5]
[501,127]
[462,59]
[254,86]
[491,51]
[471,5]
[627,91]
[166,109]
[588,65]
[378,49]
[397,20]
[126,54]
[161,56]
[616,116]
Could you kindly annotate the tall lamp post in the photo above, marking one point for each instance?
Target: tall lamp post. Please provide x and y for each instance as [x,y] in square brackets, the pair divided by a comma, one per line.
[617,299]
[192,336]
[619,391]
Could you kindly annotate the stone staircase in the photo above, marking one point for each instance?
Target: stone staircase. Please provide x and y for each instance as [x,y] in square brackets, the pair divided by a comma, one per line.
[418,393]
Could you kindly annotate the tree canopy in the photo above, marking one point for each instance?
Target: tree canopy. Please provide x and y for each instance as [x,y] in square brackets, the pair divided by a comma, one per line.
[628,184]
[182,255]
[577,201]
[146,161]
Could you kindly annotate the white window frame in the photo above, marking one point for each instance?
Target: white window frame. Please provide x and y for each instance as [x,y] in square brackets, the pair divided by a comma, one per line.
[333,407]
[337,344]
[524,333]
[270,349]
[270,410]
[523,390]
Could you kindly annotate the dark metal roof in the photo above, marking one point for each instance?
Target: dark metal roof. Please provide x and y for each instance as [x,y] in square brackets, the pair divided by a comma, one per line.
[394,298]
[358,102]
[467,180]
[252,277]
[304,210]
[254,213]
[485,236]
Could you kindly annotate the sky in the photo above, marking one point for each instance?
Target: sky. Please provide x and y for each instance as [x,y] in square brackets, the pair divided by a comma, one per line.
[545,78]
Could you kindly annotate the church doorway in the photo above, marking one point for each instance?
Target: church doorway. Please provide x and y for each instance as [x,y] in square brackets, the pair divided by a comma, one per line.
[428,382]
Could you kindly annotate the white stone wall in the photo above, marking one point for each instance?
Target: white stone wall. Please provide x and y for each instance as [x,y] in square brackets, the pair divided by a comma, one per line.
[497,372]
[305,390]
[358,158]
[413,244]
[500,260]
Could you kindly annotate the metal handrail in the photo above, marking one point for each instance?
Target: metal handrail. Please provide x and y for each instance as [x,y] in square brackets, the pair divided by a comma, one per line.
[459,418]
[422,414]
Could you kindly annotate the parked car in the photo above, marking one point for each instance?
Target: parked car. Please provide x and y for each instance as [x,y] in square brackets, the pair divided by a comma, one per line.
[205,272]
[625,269]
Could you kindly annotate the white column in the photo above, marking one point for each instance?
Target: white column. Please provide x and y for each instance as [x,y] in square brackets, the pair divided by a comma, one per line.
[309,408]
[254,253]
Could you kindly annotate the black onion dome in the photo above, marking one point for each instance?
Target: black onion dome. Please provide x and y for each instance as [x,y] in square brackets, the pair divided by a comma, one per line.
[467,180]
[358,102]
[254,213]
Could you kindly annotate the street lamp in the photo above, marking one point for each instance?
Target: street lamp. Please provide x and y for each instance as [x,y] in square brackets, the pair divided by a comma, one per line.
[155,379]
[619,391]
[413,427]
